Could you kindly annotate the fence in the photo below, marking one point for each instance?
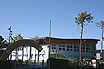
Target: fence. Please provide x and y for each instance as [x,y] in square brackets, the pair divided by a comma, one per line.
[22,64]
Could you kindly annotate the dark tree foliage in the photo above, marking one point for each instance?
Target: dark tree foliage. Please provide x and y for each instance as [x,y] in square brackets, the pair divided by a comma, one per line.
[2,40]
[83,18]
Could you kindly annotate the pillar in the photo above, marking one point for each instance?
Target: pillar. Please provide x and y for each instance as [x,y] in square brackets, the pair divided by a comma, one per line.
[38,57]
[30,54]
[16,53]
[22,52]
[10,56]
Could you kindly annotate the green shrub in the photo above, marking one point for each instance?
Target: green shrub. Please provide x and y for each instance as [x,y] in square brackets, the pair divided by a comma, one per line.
[62,63]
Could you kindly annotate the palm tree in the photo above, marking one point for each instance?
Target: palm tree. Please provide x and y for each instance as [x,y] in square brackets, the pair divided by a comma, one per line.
[81,20]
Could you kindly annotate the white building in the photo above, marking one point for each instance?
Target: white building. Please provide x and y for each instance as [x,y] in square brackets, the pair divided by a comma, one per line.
[66,48]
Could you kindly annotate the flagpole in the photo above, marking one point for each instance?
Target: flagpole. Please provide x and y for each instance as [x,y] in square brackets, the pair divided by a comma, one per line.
[9,33]
[49,38]
[49,45]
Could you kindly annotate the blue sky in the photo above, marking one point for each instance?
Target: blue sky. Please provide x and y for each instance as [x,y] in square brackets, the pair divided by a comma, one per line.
[31,18]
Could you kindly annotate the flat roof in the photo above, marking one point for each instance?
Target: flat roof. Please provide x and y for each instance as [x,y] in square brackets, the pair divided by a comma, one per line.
[73,38]
[68,41]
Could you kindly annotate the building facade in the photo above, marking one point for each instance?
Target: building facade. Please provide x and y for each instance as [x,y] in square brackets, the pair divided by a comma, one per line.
[70,48]
[64,48]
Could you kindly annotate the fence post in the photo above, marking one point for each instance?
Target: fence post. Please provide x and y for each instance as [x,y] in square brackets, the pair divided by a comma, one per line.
[34,64]
[38,57]
[19,64]
[49,64]
[42,64]
[14,64]
[27,62]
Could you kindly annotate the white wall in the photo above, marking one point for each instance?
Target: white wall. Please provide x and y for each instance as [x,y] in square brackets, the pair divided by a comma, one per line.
[33,52]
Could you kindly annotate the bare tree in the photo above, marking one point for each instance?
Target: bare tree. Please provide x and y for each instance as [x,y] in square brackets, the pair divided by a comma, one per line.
[101,24]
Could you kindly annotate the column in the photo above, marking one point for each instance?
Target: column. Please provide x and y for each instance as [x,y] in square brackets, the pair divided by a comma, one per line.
[22,52]
[38,57]
[57,48]
[30,54]
[10,56]
[16,54]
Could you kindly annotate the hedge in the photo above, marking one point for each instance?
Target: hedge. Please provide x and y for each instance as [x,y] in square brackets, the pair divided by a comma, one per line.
[62,63]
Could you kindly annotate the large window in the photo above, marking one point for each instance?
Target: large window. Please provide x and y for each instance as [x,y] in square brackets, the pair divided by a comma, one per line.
[88,47]
[69,47]
[93,46]
[76,47]
[53,48]
[62,47]
[83,48]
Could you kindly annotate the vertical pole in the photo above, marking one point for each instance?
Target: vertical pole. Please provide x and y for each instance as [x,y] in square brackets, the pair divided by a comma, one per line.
[35,55]
[19,64]
[27,53]
[81,42]
[16,53]
[10,56]
[38,57]
[14,64]
[49,38]
[30,54]
[102,38]
[34,63]
[9,33]
[42,64]
[22,52]
[49,45]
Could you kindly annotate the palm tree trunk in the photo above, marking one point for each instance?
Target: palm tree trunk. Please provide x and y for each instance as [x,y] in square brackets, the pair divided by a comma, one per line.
[102,39]
[81,42]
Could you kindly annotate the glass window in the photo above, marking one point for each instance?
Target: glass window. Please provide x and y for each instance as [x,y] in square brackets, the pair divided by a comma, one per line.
[83,50]
[70,49]
[63,45]
[67,49]
[67,46]
[74,46]
[53,45]
[75,50]
[70,46]
[59,45]
[60,49]
[86,50]
[63,49]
